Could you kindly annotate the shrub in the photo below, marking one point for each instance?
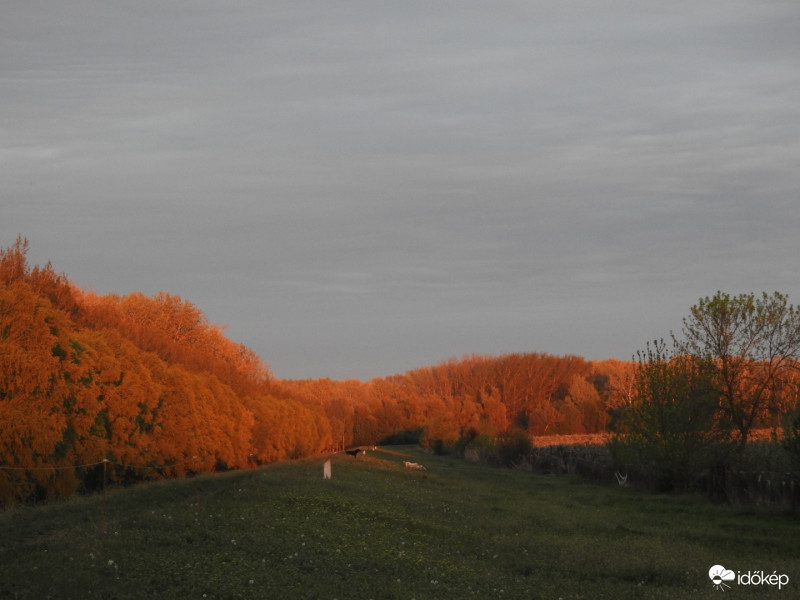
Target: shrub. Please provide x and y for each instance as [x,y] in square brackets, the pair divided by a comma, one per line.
[513,447]
[479,448]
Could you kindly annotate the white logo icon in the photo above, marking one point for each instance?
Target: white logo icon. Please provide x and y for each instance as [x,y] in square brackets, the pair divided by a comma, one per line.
[719,575]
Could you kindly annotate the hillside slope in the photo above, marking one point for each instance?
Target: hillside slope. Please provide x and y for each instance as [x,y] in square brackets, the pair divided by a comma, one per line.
[379,530]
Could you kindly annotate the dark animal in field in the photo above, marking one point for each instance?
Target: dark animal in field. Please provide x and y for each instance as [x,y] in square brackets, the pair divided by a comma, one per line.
[353,452]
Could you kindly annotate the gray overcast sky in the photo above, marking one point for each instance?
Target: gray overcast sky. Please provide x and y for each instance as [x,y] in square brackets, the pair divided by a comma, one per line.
[360,188]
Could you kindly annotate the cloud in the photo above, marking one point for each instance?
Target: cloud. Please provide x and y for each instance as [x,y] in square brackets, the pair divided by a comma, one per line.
[357,189]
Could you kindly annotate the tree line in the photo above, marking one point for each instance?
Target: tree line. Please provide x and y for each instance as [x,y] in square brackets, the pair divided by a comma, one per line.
[138,387]
[147,384]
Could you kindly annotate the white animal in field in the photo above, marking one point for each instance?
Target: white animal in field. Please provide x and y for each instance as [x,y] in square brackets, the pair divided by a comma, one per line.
[326,469]
[413,465]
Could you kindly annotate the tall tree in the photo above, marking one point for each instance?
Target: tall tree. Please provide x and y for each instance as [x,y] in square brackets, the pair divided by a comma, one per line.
[752,342]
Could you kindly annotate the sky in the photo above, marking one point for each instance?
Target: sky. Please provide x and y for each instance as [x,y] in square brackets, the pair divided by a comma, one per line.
[360,188]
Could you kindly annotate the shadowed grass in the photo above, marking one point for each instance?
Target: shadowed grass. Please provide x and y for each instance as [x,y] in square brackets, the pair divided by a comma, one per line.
[377,530]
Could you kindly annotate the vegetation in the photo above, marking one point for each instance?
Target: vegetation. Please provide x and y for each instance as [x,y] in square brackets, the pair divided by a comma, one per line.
[735,370]
[378,530]
[121,389]
[101,392]
[136,388]
[753,344]
[676,428]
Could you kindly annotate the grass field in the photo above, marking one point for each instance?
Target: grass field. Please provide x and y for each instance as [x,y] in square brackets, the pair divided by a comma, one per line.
[377,530]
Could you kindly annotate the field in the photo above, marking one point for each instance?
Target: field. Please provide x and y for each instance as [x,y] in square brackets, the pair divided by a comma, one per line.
[377,530]
[541,441]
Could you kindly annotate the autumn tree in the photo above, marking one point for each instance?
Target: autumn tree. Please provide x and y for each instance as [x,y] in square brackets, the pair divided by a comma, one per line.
[752,343]
[144,383]
[178,332]
[33,392]
[493,413]
[14,262]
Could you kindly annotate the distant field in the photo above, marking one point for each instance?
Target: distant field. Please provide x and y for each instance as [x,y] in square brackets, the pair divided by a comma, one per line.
[541,441]
[377,530]
[757,435]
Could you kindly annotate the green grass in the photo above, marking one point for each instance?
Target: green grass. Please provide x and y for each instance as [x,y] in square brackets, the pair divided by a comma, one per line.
[377,530]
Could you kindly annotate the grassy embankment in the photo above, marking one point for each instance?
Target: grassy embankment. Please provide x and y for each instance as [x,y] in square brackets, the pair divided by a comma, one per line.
[377,530]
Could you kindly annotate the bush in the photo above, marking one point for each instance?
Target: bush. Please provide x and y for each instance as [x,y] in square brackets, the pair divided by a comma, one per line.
[509,449]
[513,447]
[478,448]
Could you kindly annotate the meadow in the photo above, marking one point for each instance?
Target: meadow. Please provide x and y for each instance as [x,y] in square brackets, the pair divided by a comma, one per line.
[377,530]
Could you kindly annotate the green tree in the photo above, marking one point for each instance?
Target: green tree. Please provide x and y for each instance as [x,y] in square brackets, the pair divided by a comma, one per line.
[673,425]
[752,343]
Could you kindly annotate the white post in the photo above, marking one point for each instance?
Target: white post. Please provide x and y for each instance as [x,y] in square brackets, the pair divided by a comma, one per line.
[326,469]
